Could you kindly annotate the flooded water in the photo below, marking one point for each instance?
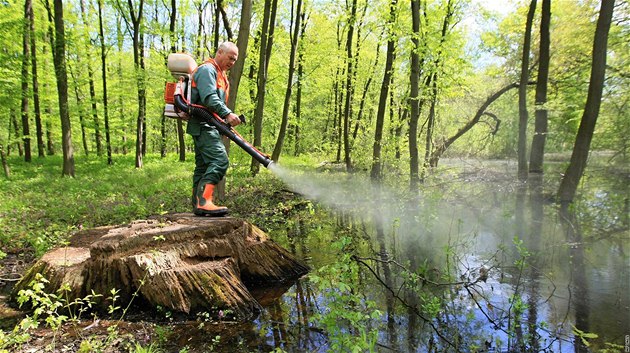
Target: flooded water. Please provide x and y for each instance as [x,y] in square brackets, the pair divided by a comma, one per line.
[477,261]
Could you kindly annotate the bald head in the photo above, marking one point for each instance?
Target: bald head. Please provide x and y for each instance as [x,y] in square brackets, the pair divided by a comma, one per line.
[227,54]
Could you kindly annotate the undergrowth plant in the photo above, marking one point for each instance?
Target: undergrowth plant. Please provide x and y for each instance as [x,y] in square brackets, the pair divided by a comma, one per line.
[56,310]
[349,317]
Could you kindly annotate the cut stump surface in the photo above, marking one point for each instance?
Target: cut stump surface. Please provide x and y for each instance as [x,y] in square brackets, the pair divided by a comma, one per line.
[178,262]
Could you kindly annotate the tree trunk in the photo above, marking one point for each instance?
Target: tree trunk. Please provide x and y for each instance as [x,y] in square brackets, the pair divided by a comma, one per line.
[414,97]
[270,32]
[77,95]
[163,136]
[375,173]
[62,91]
[217,20]
[108,141]
[5,165]
[576,167]
[347,111]
[26,52]
[537,152]
[432,84]
[182,263]
[226,22]
[428,143]
[366,89]
[261,83]
[142,95]
[50,35]
[242,43]
[134,26]
[16,133]
[50,145]
[522,95]
[173,39]
[119,72]
[298,93]
[41,148]
[90,71]
[287,97]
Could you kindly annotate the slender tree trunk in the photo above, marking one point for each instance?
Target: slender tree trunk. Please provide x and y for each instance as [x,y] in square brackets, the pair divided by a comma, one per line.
[50,144]
[134,25]
[50,35]
[347,111]
[90,71]
[375,173]
[79,99]
[119,72]
[287,97]
[26,52]
[403,113]
[428,144]
[16,131]
[163,136]
[366,90]
[216,25]
[108,140]
[142,97]
[36,104]
[173,38]
[270,32]
[414,97]
[262,82]
[522,95]
[62,90]
[352,136]
[5,165]
[537,152]
[200,8]
[298,93]
[576,167]
[242,43]
[432,84]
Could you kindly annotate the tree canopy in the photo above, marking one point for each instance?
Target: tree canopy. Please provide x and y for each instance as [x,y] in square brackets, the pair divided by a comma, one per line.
[466,52]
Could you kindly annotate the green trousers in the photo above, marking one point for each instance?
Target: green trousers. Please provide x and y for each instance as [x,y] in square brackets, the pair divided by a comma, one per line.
[211,160]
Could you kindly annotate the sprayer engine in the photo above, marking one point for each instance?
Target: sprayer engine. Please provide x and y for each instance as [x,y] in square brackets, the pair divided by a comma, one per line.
[177,99]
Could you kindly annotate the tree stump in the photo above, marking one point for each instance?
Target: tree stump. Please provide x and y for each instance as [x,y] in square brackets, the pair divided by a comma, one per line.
[179,262]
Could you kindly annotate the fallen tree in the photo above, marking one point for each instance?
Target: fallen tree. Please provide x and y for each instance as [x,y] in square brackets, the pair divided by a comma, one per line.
[442,147]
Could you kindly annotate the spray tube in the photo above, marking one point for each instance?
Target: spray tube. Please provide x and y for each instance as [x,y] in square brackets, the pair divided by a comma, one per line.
[223,127]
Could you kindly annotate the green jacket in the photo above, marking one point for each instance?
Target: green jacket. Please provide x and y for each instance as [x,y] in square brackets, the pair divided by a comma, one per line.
[210,88]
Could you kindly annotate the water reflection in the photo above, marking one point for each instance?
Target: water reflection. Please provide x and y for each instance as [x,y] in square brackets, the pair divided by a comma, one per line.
[495,264]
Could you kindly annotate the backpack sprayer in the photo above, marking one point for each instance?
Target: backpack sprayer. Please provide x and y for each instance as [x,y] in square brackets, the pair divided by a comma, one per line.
[177,97]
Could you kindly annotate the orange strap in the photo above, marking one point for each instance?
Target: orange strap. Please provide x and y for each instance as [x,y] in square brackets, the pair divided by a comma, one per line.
[222,80]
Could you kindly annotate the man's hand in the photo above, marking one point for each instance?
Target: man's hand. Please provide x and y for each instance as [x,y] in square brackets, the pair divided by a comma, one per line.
[232,119]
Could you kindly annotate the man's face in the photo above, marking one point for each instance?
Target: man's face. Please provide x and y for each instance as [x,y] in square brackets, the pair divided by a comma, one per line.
[227,57]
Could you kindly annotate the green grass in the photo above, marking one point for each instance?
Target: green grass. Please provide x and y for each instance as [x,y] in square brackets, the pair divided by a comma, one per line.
[40,209]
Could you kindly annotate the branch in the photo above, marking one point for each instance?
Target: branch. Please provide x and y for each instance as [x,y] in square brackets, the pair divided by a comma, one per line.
[496,120]
[403,302]
[439,150]
[226,23]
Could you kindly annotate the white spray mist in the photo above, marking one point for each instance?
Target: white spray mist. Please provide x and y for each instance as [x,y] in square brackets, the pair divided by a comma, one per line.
[350,193]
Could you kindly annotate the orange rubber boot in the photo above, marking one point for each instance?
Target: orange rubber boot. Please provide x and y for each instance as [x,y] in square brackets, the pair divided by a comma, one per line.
[205,206]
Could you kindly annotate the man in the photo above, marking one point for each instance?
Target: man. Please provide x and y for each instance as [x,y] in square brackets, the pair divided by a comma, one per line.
[210,88]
